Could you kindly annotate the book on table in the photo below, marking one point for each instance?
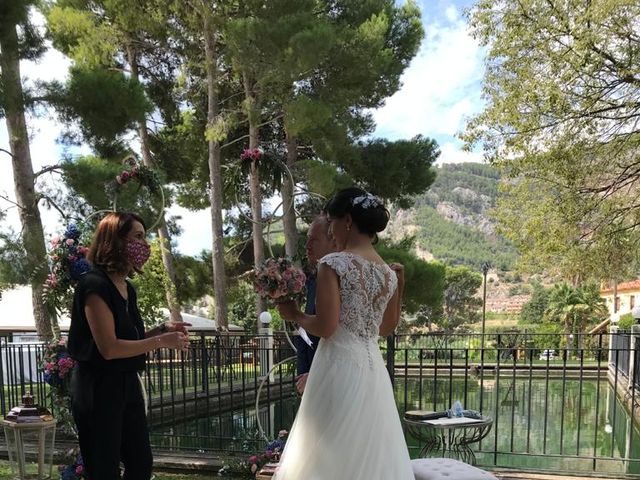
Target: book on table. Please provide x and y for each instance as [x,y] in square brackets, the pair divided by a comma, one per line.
[452,421]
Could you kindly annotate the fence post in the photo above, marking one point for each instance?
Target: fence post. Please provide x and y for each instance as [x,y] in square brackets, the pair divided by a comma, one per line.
[391,358]
[265,335]
[613,333]
[635,331]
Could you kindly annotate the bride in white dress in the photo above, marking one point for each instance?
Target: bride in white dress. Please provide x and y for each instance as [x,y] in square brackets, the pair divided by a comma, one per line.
[347,427]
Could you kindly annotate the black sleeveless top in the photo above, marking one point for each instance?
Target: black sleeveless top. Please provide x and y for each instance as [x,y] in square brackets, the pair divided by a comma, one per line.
[128,323]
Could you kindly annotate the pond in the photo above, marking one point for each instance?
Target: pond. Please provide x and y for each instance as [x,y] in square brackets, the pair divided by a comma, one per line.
[551,424]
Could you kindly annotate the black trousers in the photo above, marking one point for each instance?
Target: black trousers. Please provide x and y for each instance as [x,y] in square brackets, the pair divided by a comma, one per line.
[304,353]
[108,409]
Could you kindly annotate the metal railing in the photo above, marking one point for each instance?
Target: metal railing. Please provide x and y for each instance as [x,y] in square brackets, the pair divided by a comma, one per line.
[557,401]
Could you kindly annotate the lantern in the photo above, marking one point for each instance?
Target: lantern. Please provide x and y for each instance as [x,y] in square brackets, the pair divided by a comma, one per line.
[30,431]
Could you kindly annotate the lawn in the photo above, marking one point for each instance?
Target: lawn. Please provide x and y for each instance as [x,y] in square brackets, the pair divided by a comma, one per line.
[5,472]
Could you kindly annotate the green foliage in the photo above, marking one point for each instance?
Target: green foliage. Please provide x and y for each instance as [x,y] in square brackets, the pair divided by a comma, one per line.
[459,245]
[626,321]
[575,307]
[533,311]
[395,170]
[194,277]
[151,287]
[460,301]
[548,336]
[424,281]
[242,306]
[88,177]
[561,104]
[78,34]
[105,103]
[14,267]
[470,190]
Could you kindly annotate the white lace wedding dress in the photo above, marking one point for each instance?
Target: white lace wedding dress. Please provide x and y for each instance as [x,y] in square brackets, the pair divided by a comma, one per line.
[347,427]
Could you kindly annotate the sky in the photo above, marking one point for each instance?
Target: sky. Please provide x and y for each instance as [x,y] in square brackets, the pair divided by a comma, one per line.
[440,89]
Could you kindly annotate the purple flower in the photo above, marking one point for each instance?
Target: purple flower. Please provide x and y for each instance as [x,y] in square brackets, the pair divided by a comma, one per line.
[79,268]
[72,231]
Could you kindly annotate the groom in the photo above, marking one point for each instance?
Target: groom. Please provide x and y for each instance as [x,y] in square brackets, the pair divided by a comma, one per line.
[319,244]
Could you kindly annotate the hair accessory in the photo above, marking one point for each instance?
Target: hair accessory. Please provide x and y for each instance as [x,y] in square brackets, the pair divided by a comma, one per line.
[367,201]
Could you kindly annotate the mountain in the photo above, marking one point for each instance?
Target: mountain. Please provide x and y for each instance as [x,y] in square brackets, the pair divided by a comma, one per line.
[451,221]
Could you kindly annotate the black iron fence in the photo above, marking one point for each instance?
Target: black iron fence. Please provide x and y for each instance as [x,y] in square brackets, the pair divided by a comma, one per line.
[558,402]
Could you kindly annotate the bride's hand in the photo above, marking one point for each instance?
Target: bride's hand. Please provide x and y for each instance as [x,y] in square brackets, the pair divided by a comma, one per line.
[289,311]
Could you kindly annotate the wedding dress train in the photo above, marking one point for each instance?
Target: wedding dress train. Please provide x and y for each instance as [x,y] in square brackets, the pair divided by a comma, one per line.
[347,427]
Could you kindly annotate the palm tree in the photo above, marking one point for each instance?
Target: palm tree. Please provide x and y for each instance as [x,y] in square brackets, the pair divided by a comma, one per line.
[575,307]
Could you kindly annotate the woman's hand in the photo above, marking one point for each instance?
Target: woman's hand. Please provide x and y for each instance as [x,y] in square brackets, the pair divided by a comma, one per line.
[177,327]
[174,340]
[289,311]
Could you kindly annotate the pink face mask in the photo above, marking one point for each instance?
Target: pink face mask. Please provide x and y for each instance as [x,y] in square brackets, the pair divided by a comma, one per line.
[137,253]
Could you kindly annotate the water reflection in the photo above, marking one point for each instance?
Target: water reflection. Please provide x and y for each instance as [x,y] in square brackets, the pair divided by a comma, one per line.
[542,424]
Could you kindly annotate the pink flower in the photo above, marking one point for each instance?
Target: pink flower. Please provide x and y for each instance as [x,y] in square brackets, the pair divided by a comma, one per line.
[70,241]
[253,459]
[52,280]
[125,176]
[83,250]
[55,241]
[282,433]
[72,258]
[79,470]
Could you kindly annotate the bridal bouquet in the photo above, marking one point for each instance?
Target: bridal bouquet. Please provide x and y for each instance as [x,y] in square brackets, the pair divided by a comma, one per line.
[279,280]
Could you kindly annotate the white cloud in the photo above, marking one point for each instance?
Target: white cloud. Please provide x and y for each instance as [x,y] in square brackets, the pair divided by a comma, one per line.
[440,88]
[451,152]
[196,226]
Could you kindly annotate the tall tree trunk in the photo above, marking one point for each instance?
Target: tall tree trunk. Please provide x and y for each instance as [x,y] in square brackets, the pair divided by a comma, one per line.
[289,218]
[23,177]
[254,190]
[163,232]
[215,176]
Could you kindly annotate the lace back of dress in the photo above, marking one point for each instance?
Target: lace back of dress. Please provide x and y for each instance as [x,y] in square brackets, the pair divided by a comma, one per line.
[365,290]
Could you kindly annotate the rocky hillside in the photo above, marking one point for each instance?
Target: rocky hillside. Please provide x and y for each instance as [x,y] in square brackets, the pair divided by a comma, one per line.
[451,220]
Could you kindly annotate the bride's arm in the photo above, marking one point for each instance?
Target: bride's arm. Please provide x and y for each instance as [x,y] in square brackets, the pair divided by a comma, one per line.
[325,321]
[392,313]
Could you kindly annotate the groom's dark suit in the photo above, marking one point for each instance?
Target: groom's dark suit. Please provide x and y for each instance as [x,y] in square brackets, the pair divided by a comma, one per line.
[305,352]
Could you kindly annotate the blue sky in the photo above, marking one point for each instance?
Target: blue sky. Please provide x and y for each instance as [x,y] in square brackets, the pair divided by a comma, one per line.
[440,89]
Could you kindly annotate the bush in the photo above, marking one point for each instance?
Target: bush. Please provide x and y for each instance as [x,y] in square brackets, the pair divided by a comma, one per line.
[626,321]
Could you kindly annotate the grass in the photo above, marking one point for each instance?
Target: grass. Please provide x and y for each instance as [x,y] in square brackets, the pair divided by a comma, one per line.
[5,472]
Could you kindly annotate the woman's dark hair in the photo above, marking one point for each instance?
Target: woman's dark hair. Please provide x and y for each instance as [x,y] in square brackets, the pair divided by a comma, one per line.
[107,247]
[367,212]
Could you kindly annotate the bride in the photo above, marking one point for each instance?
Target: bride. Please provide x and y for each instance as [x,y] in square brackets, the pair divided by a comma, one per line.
[347,426]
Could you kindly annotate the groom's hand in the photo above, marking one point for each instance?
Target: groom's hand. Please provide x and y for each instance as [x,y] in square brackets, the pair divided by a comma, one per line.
[301,382]
[398,268]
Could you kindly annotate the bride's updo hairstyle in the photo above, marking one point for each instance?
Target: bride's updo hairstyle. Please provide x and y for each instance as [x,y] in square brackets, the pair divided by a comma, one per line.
[367,211]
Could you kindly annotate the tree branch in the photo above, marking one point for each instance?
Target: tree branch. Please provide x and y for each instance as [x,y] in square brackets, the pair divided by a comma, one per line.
[7,152]
[12,202]
[50,168]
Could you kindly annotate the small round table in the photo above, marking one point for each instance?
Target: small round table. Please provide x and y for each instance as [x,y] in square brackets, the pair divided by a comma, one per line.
[449,440]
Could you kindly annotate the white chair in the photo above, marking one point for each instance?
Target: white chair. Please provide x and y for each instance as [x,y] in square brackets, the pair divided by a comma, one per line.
[447,469]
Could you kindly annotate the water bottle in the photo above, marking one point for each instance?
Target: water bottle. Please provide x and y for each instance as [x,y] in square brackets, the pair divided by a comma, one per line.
[457,409]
